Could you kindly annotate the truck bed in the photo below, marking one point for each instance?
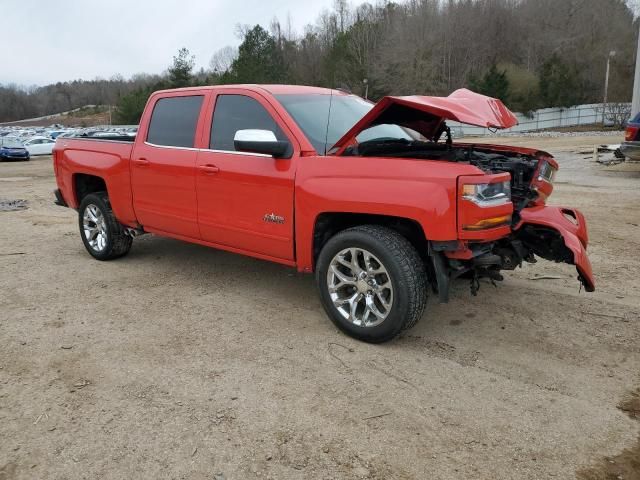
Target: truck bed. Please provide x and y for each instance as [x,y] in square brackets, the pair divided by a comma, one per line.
[112,138]
[96,156]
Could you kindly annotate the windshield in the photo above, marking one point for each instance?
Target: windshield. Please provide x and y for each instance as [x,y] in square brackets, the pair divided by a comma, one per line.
[311,111]
[10,143]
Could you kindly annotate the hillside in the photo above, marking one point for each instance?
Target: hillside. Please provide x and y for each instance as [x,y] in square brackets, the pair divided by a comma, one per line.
[86,116]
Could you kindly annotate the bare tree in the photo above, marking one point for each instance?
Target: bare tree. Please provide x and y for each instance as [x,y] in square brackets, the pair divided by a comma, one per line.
[615,114]
[222,60]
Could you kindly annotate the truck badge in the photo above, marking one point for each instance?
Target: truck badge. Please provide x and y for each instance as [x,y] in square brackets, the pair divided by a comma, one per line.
[273,218]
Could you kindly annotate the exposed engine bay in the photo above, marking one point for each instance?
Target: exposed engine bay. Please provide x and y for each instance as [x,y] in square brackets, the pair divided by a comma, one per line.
[530,173]
[521,167]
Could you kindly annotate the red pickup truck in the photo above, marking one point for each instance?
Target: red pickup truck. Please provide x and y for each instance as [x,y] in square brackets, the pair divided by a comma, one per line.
[377,200]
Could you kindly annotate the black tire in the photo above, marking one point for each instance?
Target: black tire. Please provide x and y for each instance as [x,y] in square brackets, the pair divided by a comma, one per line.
[118,243]
[406,272]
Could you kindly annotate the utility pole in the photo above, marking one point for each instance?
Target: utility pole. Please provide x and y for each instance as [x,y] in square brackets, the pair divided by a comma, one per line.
[635,103]
[612,53]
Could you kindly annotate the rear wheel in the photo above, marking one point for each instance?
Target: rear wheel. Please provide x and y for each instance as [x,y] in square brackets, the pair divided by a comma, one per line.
[103,236]
[372,282]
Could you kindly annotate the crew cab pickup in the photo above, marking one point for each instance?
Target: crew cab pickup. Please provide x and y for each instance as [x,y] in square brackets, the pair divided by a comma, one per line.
[376,199]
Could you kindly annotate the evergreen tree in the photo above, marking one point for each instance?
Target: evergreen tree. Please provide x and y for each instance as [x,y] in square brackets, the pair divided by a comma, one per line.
[180,72]
[259,60]
[559,84]
[131,106]
[494,83]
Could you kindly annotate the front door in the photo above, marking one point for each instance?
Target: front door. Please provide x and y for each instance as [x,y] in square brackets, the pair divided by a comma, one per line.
[245,200]
[163,167]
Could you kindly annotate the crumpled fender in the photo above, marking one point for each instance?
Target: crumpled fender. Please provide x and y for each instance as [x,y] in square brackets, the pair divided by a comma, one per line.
[571,225]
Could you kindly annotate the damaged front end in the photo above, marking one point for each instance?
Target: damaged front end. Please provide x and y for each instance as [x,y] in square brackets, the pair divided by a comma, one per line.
[502,216]
[553,233]
[533,229]
[558,234]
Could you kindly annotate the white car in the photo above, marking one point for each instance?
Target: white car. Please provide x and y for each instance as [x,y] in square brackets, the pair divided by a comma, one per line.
[39,146]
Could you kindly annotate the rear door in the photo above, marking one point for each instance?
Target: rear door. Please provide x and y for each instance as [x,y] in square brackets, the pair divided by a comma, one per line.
[245,200]
[163,165]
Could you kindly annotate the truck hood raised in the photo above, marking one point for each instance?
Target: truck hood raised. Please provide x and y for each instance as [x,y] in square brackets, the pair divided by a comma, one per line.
[425,115]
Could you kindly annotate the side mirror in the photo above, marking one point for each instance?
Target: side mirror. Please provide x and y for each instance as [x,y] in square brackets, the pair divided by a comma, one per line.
[260,141]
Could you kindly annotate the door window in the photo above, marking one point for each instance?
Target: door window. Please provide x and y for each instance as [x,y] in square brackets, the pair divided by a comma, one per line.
[174,121]
[239,112]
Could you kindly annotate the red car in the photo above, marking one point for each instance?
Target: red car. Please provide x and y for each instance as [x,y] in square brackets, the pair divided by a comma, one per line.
[377,200]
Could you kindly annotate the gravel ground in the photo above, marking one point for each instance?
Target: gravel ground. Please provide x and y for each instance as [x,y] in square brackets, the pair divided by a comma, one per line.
[180,361]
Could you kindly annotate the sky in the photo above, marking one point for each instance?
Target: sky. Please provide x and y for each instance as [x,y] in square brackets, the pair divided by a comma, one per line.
[44,41]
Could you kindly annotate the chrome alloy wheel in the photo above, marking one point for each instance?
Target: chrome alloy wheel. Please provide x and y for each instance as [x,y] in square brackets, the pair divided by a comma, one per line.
[94,227]
[360,287]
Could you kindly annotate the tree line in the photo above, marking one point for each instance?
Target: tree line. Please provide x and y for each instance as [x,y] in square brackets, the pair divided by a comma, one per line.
[529,53]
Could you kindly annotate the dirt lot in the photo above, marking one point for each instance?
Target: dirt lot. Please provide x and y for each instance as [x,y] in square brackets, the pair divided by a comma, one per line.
[183,362]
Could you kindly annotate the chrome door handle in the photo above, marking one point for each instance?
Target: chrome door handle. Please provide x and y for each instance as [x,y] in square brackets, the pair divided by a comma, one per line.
[209,169]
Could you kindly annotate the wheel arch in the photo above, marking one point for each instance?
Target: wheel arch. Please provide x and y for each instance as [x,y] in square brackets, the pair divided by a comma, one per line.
[327,224]
[84,184]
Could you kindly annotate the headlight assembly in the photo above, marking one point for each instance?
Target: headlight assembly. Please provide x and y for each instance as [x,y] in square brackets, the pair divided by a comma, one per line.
[488,194]
[546,172]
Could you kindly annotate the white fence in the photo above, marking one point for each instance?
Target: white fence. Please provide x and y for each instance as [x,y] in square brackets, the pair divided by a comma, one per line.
[544,118]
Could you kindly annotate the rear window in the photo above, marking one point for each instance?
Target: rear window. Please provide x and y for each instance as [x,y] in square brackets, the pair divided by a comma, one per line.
[174,121]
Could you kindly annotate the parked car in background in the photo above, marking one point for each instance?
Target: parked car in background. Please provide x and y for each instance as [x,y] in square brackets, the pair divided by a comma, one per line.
[56,133]
[67,134]
[24,133]
[12,149]
[630,148]
[39,145]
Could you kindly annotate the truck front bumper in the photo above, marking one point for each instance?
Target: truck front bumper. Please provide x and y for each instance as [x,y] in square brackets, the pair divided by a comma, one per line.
[558,234]
[539,228]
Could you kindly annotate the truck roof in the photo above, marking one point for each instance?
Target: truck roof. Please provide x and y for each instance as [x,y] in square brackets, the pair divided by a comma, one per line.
[273,89]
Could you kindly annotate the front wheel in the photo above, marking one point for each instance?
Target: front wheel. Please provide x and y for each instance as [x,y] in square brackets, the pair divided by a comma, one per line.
[372,282]
[103,236]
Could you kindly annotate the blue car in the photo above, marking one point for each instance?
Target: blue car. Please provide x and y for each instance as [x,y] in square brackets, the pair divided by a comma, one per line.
[12,149]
